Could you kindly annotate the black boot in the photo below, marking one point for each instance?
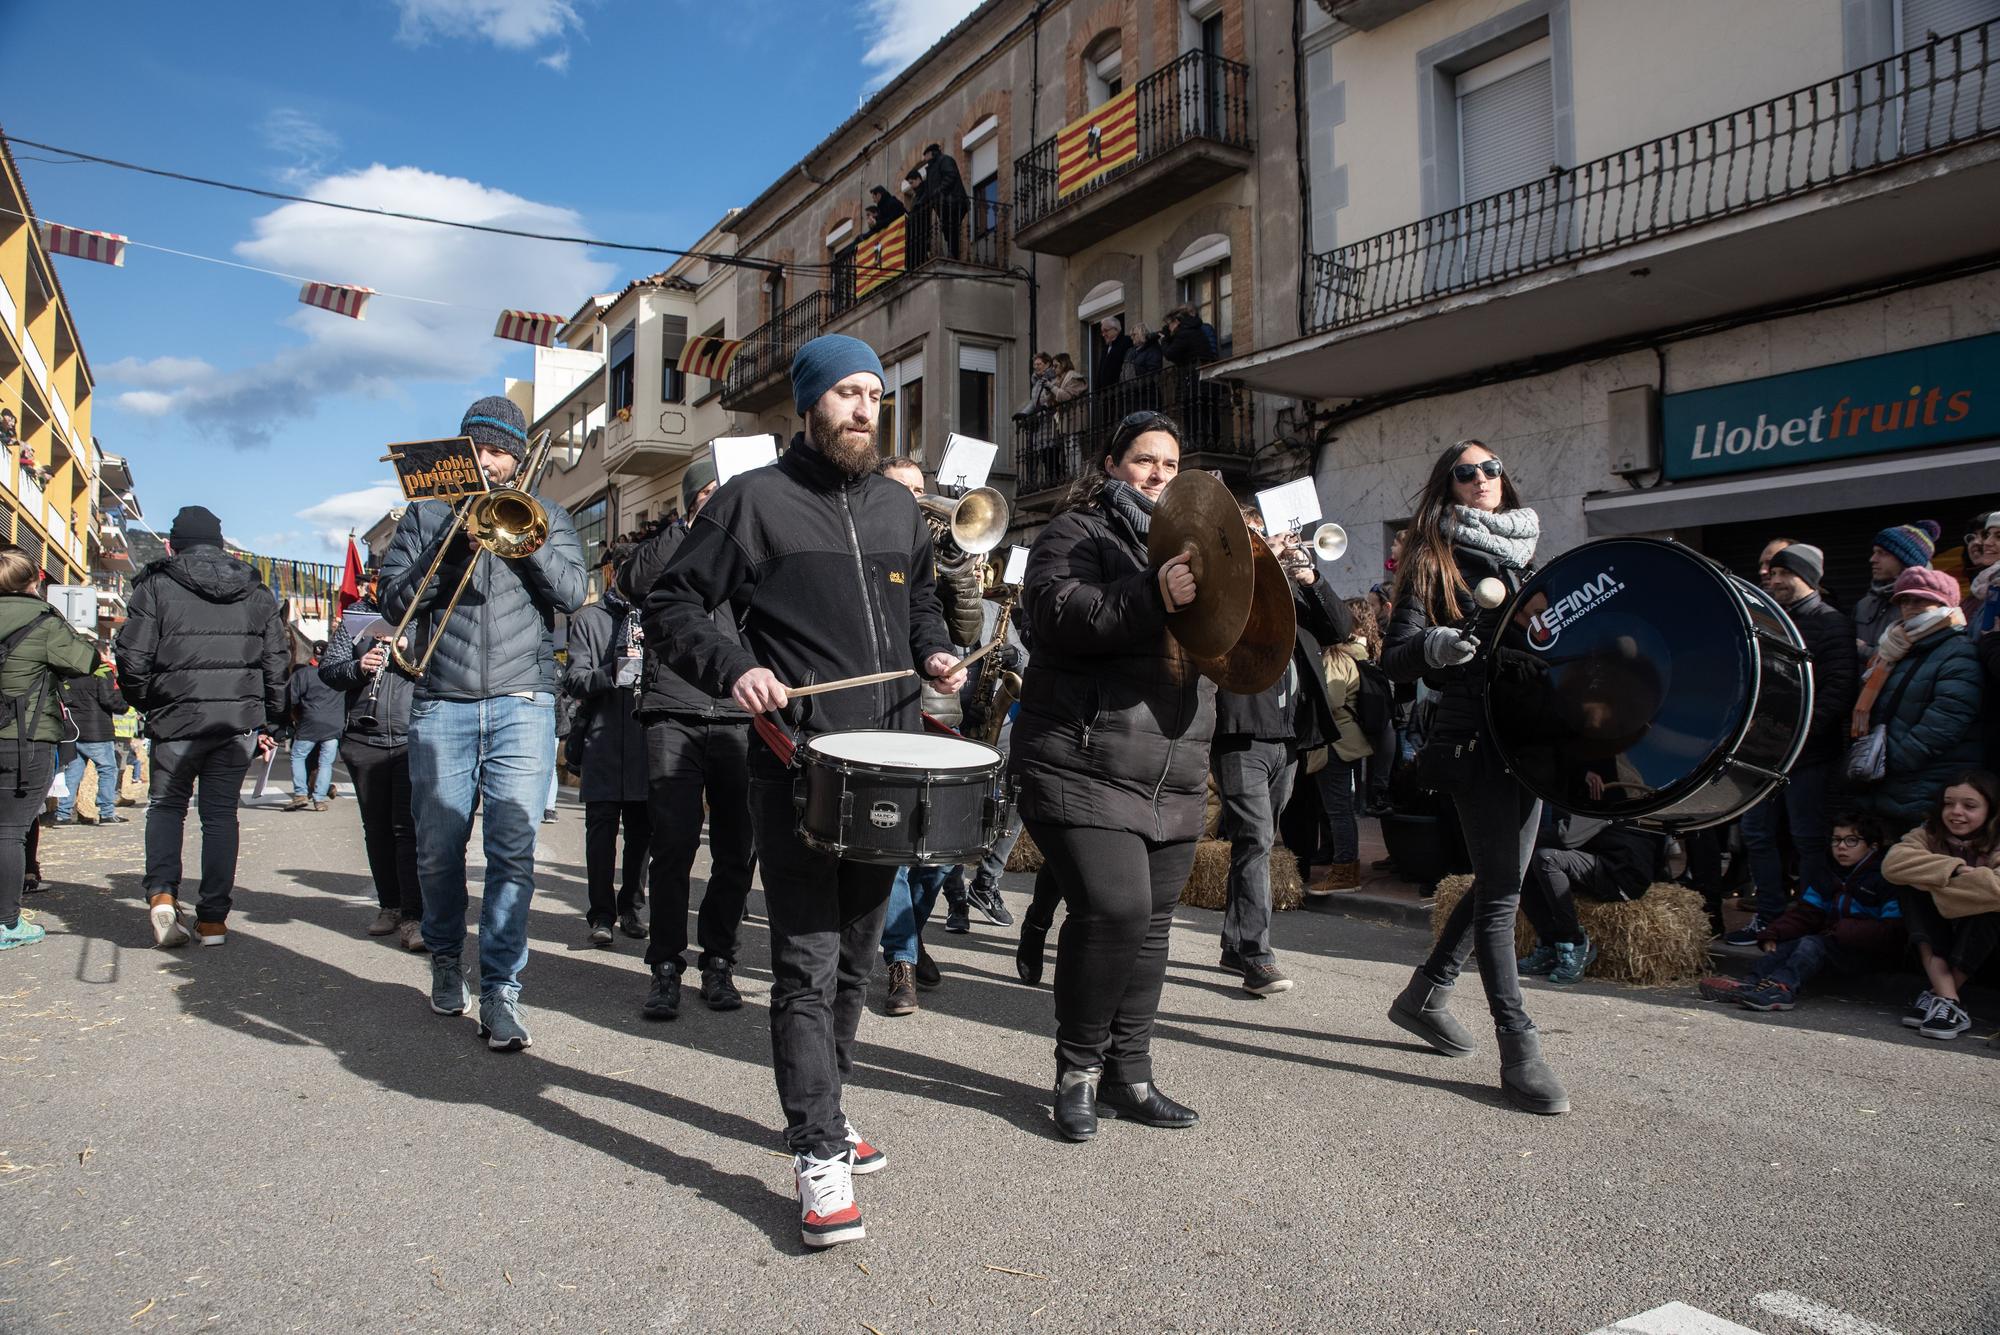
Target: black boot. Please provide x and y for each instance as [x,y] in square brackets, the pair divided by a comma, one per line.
[1076,1102]
[1143,1102]
[1028,953]
[1526,1079]
[1420,1008]
[664,1001]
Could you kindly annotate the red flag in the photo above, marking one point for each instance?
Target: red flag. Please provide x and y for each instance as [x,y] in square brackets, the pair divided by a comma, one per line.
[350,579]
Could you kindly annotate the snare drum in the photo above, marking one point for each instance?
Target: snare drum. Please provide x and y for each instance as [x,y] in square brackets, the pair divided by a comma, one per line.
[900,798]
[1638,680]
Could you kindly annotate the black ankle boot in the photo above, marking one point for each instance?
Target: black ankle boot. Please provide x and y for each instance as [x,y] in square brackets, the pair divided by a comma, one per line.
[1526,1079]
[1144,1103]
[1076,1102]
[1028,953]
[1420,1008]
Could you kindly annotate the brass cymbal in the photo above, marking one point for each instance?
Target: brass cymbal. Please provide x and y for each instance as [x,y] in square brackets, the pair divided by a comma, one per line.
[1197,514]
[1260,654]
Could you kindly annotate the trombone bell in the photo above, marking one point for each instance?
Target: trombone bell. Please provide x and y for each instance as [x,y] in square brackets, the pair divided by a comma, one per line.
[975,522]
[1329,542]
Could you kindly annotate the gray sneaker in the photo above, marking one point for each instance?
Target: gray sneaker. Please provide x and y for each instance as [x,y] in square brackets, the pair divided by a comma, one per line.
[449,995]
[500,1022]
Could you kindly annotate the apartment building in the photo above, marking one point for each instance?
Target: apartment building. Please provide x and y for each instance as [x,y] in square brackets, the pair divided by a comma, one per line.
[1709,270]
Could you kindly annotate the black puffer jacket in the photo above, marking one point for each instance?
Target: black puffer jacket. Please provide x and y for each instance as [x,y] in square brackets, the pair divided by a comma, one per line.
[340,667]
[664,693]
[501,639]
[317,708]
[1461,708]
[202,652]
[92,703]
[614,741]
[1829,637]
[1115,721]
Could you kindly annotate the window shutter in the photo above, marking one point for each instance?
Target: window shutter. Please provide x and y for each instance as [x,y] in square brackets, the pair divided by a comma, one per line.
[985,159]
[979,359]
[1507,131]
[910,368]
[621,345]
[1955,99]
[673,336]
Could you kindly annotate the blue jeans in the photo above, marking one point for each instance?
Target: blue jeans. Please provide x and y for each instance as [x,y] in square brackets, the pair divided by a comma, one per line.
[501,750]
[322,779]
[1337,795]
[1800,804]
[104,755]
[910,900]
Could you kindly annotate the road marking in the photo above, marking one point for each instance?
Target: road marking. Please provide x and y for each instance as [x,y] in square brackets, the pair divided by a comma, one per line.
[1827,1320]
[1674,1319]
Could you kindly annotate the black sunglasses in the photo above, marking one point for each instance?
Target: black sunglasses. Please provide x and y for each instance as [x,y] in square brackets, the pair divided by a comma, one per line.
[1467,472]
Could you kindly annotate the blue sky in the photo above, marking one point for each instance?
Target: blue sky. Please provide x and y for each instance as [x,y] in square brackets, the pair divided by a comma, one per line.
[630,120]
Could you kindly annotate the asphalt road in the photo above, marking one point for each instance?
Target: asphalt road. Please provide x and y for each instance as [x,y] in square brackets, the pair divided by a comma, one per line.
[279,1136]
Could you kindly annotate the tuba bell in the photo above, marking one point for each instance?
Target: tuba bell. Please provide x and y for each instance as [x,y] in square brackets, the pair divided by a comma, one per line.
[969,526]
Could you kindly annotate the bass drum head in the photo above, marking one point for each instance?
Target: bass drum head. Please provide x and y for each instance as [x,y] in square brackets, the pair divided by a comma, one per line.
[1625,670]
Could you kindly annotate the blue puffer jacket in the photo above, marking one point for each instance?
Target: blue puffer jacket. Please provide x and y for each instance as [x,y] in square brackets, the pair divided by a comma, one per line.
[1934,733]
[500,640]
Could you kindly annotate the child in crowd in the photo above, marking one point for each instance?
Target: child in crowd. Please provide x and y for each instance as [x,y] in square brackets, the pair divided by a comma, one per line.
[1853,925]
[1952,897]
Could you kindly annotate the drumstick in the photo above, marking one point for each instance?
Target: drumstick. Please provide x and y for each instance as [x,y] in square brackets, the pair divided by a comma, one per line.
[972,657]
[821,688]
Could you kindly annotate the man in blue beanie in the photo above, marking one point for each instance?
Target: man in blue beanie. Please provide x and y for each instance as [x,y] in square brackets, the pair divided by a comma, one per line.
[826,567]
[482,723]
[1897,548]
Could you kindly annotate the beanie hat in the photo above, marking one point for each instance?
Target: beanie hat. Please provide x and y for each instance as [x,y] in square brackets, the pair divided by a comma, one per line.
[825,362]
[1932,586]
[1912,544]
[699,474]
[1804,560]
[496,421]
[195,526]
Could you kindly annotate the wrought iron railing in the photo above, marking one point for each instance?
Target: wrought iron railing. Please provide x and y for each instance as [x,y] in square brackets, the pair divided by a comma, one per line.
[1055,446]
[973,232]
[767,349]
[1198,96]
[1932,97]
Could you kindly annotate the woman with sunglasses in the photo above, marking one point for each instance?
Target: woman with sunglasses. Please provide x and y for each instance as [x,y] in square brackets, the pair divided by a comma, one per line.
[1470,526]
[1111,751]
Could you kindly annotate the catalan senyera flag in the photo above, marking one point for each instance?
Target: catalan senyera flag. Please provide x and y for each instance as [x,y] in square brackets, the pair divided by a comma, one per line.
[1098,141]
[881,256]
[339,298]
[529,327]
[707,355]
[80,243]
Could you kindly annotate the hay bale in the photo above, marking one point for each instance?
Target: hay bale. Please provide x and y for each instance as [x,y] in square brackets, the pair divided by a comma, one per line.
[1025,857]
[1652,941]
[1211,816]
[1208,882]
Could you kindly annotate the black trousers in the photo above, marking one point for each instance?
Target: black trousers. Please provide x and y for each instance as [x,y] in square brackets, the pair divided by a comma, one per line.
[1499,819]
[30,773]
[1556,876]
[687,759]
[217,766]
[1120,890]
[611,897]
[381,777]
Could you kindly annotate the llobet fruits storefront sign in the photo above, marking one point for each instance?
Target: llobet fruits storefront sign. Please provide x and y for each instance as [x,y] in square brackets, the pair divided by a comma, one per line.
[1937,395]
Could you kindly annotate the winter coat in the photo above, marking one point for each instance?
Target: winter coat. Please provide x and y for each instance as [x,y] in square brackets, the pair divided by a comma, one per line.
[1934,732]
[1071,386]
[35,667]
[664,693]
[1859,909]
[1111,359]
[317,708]
[614,740]
[1988,647]
[501,639]
[94,705]
[1960,890]
[1186,346]
[944,186]
[203,652]
[887,209]
[959,597]
[1342,674]
[828,576]
[1273,714]
[1145,359]
[1873,614]
[392,688]
[1829,637]
[1461,707]
[1115,721]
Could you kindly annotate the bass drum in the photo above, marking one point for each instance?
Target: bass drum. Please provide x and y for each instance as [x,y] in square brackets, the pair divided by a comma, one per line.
[1635,679]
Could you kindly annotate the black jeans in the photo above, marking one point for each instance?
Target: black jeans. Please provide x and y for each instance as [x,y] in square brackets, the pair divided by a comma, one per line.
[1120,889]
[381,777]
[217,764]
[600,858]
[30,773]
[826,921]
[1255,780]
[686,758]
[1556,876]
[1963,943]
[1499,819]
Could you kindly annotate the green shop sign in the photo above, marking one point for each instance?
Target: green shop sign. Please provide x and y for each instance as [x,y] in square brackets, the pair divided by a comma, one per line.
[1939,395]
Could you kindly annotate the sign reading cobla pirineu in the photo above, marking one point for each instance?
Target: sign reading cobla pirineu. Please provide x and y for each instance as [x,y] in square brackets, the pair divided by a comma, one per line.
[1937,395]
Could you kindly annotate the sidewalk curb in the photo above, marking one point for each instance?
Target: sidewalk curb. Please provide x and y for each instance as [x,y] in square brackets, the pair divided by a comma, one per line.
[1381,908]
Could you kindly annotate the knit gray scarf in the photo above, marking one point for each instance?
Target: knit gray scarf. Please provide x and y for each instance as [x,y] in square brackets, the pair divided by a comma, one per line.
[1508,536]
[1130,504]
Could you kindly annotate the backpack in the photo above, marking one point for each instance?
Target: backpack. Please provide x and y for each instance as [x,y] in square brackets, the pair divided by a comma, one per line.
[17,707]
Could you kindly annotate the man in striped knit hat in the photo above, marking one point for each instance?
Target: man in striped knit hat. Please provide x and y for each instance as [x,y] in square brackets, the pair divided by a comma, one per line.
[1904,547]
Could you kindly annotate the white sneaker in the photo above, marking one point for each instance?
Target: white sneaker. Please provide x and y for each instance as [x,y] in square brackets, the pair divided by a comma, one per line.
[867,1158]
[168,929]
[827,1212]
[1947,1020]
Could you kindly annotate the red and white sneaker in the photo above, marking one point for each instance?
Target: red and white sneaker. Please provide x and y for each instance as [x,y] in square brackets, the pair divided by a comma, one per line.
[827,1212]
[867,1159]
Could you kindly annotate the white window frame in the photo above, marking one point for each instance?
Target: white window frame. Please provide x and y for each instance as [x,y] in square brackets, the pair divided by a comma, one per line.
[840,234]
[1204,252]
[1106,298]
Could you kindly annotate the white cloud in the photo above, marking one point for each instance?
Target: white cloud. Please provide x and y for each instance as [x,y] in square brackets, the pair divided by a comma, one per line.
[293,134]
[902,30]
[351,511]
[401,342]
[514,25]
[557,60]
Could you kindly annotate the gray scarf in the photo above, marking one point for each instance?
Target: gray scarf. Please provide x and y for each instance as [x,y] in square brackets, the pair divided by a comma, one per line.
[1508,536]
[1130,504]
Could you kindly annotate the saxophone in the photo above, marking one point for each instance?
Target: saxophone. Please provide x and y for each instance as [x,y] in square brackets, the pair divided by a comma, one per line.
[998,688]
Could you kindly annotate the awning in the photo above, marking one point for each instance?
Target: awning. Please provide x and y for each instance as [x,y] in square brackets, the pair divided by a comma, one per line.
[1890,479]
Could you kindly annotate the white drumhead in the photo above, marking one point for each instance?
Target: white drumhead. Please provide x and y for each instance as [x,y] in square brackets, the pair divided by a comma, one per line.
[904,750]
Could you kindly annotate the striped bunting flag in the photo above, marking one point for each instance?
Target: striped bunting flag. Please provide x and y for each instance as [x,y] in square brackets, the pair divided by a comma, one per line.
[529,327]
[1097,142]
[881,256]
[76,242]
[707,355]
[339,298]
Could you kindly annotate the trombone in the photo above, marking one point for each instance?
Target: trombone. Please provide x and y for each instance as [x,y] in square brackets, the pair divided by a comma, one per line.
[507,521]
[973,524]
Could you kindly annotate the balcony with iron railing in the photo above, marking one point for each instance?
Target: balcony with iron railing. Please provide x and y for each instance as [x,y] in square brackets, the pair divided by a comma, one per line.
[1057,445]
[1882,172]
[1194,130]
[757,379]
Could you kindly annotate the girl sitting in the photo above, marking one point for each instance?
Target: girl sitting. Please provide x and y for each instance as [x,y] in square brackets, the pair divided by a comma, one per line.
[1952,897]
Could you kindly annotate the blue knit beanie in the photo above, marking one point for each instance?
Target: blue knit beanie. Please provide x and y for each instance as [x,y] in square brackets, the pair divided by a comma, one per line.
[496,420]
[825,362]
[1912,544]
